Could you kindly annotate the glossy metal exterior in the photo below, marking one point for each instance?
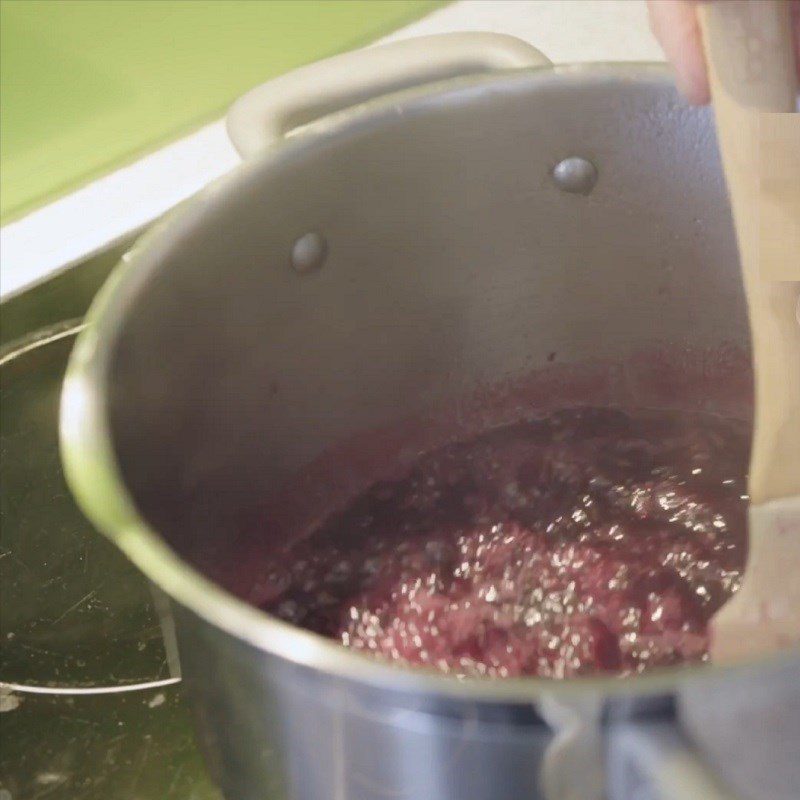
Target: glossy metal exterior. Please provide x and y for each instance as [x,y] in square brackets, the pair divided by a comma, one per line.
[212,371]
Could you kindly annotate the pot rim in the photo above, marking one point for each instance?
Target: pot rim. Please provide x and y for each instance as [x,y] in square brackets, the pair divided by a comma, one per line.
[93,474]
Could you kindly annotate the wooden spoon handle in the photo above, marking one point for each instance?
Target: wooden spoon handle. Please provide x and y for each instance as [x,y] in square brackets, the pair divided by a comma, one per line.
[750,55]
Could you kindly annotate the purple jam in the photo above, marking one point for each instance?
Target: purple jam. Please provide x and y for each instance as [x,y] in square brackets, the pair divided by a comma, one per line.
[584,541]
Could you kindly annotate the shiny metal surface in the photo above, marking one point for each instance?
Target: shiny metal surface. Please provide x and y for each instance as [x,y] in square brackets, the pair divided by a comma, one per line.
[440,277]
[575,174]
[308,252]
[570,268]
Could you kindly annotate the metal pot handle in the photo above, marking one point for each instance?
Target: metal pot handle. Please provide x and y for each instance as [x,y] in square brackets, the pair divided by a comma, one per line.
[267,113]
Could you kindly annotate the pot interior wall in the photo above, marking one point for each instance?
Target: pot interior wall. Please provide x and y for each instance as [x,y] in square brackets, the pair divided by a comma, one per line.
[453,263]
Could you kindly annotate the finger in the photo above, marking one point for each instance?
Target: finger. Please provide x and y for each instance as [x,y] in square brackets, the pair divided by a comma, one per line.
[674,23]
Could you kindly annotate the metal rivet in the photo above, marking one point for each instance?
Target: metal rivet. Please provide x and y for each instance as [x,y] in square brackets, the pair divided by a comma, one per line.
[575,174]
[308,252]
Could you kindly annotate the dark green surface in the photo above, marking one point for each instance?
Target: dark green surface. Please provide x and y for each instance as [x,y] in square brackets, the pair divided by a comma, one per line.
[73,611]
[63,296]
[132,746]
[89,84]
[79,615]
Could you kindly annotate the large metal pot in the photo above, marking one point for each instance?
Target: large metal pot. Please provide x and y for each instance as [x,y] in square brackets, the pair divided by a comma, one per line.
[468,212]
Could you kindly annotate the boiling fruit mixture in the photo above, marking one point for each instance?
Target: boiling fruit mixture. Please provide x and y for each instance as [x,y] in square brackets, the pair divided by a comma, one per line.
[579,542]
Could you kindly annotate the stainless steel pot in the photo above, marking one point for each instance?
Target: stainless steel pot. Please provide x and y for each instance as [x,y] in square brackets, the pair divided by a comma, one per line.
[412,222]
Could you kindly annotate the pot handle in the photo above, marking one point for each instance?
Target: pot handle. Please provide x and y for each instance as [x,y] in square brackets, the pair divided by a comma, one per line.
[269,112]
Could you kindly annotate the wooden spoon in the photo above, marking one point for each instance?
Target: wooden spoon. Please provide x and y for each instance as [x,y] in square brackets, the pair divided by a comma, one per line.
[753,77]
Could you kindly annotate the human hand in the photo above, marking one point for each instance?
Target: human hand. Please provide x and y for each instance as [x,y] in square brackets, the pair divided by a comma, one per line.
[674,23]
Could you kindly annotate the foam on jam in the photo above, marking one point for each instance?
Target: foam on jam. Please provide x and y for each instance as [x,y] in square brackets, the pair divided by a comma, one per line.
[586,540]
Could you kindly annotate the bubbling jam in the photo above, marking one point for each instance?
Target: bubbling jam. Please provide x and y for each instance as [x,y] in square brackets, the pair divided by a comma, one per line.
[584,541]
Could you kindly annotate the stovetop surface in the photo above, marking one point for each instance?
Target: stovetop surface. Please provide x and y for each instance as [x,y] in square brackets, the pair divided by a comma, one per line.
[119,746]
[90,703]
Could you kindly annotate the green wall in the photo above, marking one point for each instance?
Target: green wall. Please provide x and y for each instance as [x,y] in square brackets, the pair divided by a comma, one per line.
[88,85]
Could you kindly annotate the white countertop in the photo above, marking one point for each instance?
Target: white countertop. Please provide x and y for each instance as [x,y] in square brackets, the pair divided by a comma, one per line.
[86,221]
